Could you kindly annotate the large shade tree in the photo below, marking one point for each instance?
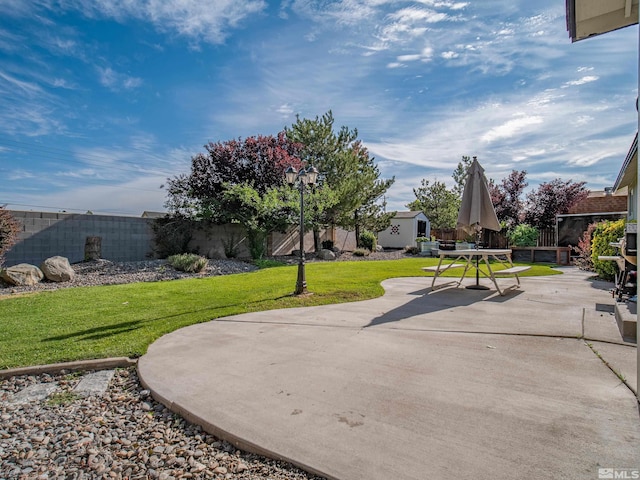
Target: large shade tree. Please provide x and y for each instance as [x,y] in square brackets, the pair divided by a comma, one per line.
[242,181]
[347,169]
[506,198]
[551,199]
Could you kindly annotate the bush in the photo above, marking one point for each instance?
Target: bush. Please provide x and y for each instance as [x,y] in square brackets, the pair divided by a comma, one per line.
[171,235]
[257,240]
[188,262]
[9,229]
[268,263]
[605,233]
[327,244]
[583,249]
[523,235]
[361,252]
[367,240]
[230,244]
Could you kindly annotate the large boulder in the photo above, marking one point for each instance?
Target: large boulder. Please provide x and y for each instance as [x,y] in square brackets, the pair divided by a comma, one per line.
[325,254]
[57,269]
[22,274]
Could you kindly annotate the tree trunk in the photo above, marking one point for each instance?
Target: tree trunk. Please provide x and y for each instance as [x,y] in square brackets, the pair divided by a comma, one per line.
[357,225]
[316,239]
[93,248]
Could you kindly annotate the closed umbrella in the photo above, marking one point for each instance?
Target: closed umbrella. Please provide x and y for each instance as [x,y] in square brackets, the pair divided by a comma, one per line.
[476,210]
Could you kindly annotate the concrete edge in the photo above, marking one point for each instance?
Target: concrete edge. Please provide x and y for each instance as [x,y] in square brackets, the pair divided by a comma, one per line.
[94,364]
[222,434]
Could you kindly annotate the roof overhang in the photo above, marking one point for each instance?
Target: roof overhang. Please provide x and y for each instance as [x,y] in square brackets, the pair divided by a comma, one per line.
[628,175]
[588,18]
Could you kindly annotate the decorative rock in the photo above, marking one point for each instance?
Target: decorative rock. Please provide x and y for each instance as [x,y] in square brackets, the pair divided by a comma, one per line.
[379,248]
[22,274]
[326,255]
[57,269]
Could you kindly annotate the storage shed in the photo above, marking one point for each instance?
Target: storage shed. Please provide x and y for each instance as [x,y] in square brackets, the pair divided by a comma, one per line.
[404,229]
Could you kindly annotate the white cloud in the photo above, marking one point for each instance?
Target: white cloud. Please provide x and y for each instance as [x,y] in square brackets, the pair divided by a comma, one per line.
[195,19]
[285,110]
[28,88]
[408,58]
[115,81]
[582,81]
[415,14]
[511,128]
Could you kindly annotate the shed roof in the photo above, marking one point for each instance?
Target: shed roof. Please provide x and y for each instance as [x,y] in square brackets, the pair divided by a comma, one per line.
[411,214]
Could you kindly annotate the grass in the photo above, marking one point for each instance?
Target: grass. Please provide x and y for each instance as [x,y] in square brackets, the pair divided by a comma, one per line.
[122,320]
[62,398]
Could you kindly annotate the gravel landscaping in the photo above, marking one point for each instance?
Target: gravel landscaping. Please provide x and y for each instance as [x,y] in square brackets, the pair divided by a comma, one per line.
[106,272]
[123,434]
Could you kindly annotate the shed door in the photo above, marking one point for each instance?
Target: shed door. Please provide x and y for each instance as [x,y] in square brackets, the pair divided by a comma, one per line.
[422,228]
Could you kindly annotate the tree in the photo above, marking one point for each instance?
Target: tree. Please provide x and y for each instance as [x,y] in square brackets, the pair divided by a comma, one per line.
[256,161]
[460,175]
[506,198]
[440,205]
[259,213]
[239,181]
[9,229]
[551,199]
[346,169]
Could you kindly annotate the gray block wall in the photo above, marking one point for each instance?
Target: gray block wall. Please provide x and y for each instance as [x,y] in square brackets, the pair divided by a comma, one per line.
[46,234]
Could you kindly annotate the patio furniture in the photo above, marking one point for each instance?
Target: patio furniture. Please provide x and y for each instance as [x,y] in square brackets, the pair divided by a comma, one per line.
[472,259]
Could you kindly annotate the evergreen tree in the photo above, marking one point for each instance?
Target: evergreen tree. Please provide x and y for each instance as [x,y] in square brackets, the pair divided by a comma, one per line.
[439,204]
[346,169]
[460,175]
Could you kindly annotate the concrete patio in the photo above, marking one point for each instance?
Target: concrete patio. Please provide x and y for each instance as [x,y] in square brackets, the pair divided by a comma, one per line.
[417,384]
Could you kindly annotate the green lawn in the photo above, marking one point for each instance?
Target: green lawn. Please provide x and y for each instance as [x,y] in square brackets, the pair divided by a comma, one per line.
[122,320]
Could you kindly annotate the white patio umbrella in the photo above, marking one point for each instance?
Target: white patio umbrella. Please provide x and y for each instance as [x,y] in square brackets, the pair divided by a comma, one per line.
[476,210]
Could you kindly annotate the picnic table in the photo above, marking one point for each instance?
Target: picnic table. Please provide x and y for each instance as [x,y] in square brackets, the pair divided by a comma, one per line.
[472,258]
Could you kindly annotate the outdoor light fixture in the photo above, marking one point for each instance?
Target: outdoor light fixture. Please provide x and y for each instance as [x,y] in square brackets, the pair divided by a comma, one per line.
[303,178]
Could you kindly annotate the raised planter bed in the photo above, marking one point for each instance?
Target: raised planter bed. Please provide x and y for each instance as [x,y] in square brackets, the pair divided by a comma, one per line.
[558,255]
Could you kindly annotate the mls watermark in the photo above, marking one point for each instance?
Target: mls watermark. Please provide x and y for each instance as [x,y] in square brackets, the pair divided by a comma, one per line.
[621,473]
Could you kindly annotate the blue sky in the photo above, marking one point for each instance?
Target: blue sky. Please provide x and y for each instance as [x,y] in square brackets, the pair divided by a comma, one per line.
[102,100]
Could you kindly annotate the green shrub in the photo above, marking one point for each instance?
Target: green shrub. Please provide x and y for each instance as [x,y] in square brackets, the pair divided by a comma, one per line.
[523,235]
[171,235]
[188,262]
[230,244]
[268,263]
[367,240]
[327,244]
[361,252]
[605,233]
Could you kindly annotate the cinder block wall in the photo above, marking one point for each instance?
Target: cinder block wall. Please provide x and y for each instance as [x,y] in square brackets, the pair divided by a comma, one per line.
[47,234]
[129,239]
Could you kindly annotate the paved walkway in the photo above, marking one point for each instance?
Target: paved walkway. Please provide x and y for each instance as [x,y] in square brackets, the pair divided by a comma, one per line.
[416,384]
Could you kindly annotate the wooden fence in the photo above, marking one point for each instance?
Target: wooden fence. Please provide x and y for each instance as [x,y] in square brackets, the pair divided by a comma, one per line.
[546,237]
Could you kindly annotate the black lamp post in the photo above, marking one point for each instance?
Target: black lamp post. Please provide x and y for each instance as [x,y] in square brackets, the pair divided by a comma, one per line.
[304,178]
